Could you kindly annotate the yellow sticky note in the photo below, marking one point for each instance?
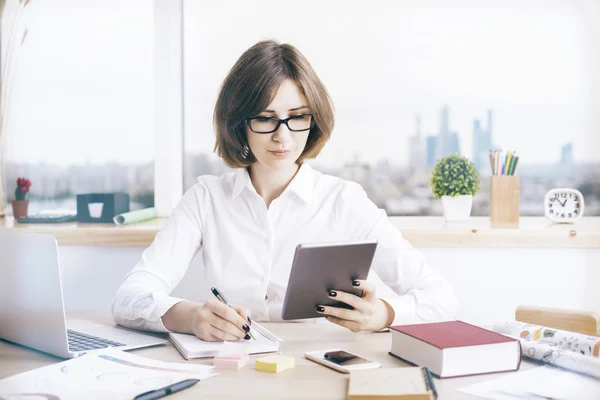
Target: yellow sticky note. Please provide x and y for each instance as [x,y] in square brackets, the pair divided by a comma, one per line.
[275,363]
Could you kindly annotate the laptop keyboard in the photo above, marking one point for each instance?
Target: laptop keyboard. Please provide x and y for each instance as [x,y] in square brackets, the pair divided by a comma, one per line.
[81,342]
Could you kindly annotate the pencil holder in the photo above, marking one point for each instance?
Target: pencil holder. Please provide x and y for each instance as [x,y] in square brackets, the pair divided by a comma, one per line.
[504,198]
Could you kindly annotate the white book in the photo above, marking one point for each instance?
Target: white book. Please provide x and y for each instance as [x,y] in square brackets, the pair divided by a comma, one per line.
[191,346]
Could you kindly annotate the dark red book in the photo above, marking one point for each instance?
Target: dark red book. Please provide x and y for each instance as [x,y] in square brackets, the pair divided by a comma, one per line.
[455,348]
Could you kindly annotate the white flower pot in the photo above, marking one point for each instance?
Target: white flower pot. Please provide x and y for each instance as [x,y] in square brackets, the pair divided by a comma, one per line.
[457,208]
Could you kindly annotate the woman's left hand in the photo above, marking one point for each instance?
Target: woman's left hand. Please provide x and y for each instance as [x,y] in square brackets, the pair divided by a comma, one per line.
[370,313]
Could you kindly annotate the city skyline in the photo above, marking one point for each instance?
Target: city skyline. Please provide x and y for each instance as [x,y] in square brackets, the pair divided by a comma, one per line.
[464,141]
[428,149]
[397,190]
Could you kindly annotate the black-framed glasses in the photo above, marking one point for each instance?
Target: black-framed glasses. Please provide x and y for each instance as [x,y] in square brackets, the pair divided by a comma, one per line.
[295,123]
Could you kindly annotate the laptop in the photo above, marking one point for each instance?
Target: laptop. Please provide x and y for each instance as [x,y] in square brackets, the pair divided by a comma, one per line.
[32,311]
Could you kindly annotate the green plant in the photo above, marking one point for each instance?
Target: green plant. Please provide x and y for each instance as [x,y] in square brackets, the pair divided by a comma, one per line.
[454,176]
[22,189]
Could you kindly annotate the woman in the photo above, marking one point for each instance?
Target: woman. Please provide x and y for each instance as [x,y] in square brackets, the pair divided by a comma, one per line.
[273,113]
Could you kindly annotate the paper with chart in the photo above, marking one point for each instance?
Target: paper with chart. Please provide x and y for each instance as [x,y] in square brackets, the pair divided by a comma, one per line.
[102,374]
[545,382]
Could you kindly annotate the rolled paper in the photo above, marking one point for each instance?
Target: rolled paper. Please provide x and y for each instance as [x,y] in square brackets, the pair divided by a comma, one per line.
[562,358]
[585,345]
[135,216]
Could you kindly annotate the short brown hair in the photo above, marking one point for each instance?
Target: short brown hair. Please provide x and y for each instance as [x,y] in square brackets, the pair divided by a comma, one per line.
[251,86]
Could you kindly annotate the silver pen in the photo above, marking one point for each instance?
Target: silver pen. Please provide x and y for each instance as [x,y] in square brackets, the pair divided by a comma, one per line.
[222,299]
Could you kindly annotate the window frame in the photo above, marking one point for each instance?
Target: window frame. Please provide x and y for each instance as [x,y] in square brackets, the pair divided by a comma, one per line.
[168,105]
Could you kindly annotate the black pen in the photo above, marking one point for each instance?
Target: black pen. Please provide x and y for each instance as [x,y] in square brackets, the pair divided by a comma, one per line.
[222,299]
[158,393]
[430,382]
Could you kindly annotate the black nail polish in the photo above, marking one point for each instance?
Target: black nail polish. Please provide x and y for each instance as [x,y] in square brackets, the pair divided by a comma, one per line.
[355,283]
[320,309]
[246,328]
[332,293]
[247,337]
[249,321]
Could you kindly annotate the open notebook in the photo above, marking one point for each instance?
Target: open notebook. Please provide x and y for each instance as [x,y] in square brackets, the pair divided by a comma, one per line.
[192,347]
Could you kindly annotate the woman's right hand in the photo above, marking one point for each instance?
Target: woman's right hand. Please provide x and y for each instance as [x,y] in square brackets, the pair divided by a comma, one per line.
[216,322]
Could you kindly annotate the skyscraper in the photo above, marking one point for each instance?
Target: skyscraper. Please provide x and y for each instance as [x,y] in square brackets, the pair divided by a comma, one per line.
[444,123]
[447,142]
[416,147]
[431,150]
[442,138]
[566,154]
[482,142]
[453,144]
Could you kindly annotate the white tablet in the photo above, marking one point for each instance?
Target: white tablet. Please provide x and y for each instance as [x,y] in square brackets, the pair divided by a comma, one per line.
[318,268]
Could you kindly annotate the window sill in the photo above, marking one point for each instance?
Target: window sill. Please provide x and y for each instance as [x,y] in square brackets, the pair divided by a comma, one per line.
[532,232]
[535,232]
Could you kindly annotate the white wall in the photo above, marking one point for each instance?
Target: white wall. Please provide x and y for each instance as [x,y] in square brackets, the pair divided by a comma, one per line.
[489,283]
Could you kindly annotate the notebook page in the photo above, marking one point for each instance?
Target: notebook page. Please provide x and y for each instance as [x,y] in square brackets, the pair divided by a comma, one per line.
[192,347]
[258,330]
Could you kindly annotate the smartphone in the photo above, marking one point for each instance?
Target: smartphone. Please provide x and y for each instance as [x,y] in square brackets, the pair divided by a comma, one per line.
[341,360]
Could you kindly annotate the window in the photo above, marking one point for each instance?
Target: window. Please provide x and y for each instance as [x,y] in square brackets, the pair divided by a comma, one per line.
[79,109]
[80,99]
[407,75]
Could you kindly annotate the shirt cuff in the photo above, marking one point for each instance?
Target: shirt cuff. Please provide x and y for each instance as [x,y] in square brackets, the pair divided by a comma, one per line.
[163,303]
[404,309]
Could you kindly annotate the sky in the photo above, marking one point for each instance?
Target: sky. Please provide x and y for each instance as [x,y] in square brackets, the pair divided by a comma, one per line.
[82,82]
[386,61]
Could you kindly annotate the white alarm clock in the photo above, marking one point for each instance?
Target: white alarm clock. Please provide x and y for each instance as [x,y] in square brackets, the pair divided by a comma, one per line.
[563,205]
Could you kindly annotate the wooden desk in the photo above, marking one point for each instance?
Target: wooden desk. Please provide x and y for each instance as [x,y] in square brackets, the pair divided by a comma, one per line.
[307,380]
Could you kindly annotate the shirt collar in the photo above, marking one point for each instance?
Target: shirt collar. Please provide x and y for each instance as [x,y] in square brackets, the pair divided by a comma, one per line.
[303,184]
[241,179]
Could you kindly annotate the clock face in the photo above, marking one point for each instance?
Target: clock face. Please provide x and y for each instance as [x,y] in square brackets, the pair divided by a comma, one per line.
[563,205]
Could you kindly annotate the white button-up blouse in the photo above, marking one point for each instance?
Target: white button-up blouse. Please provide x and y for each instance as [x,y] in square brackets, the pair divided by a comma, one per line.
[247,249]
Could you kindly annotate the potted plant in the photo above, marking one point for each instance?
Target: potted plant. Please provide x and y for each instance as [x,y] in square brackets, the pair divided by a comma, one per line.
[20,203]
[455,180]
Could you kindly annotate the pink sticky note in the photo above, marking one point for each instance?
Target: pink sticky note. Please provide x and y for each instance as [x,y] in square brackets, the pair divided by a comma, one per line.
[231,363]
